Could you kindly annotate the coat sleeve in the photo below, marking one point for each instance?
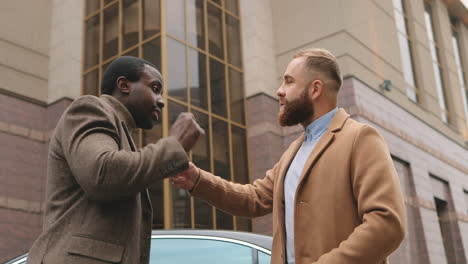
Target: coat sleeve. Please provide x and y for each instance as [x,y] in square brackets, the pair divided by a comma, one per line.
[380,204]
[90,144]
[248,200]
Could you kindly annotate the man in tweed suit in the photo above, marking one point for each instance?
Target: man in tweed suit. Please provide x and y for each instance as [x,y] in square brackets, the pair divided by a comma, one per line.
[97,204]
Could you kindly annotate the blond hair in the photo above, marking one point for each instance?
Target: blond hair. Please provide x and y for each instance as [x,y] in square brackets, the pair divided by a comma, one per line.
[322,61]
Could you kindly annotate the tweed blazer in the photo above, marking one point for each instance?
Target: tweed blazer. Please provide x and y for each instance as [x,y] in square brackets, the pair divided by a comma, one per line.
[348,203]
[97,207]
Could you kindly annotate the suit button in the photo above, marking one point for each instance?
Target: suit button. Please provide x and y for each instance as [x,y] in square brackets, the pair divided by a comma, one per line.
[301,202]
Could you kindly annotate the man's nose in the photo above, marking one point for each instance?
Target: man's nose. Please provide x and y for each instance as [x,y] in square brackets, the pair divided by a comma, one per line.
[280,91]
[160,102]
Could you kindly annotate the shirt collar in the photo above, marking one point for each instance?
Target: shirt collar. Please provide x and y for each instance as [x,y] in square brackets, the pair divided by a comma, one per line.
[316,129]
[121,110]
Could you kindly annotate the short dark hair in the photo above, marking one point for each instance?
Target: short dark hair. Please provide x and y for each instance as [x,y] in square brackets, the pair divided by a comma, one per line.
[127,66]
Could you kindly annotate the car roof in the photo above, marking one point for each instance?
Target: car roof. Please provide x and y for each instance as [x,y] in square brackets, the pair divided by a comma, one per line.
[257,239]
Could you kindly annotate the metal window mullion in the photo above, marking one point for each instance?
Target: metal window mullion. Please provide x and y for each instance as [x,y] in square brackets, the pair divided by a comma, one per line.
[101,44]
[165,121]
[228,101]
[208,91]
[140,29]
[83,52]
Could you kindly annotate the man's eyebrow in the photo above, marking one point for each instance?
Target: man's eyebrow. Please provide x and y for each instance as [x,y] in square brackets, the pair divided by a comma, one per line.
[287,76]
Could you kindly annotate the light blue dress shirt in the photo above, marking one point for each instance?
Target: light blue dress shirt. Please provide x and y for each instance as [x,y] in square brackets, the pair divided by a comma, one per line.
[313,132]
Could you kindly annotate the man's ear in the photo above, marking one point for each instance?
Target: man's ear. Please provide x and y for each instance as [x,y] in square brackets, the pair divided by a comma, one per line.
[122,85]
[316,89]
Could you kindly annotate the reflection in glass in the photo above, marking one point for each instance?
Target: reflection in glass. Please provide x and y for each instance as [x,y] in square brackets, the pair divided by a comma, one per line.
[201,158]
[200,251]
[263,258]
[133,52]
[195,23]
[180,198]
[215,31]
[90,83]
[233,41]
[224,221]
[244,224]
[176,70]
[239,150]
[92,42]
[111,40]
[218,88]
[92,6]
[152,52]
[130,23]
[175,19]
[197,81]
[236,96]
[156,190]
[221,166]
[151,17]
[221,149]
[232,6]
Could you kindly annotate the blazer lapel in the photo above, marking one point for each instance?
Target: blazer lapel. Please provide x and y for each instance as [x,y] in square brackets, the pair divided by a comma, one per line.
[325,141]
[321,146]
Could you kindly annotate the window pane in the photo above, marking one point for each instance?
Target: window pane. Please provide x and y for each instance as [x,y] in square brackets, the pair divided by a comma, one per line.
[133,52]
[156,190]
[90,83]
[232,5]
[218,89]
[224,221]
[151,17]
[183,250]
[197,69]
[201,158]
[244,224]
[239,150]
[180,198]
[92,6]
[111,21]
[196,25]
[233,39]
[130,23]
[92,42]
[215,31]
[175,19]
[152,52]
[263,258]
[217,1]
[176,70]
[236,96]
[221,149]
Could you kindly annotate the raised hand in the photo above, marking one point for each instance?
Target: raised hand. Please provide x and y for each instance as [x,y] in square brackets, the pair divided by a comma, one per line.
[186,130]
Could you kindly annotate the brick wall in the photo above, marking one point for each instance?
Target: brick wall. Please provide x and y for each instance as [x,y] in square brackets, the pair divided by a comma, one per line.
[25,127]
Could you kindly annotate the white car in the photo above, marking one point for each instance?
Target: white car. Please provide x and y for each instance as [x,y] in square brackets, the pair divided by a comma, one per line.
[203,246]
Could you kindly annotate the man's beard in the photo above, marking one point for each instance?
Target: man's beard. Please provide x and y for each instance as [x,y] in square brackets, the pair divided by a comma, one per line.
[296,111]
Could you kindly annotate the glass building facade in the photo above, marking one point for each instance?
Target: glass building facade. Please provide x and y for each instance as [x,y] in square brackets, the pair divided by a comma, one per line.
[196,44]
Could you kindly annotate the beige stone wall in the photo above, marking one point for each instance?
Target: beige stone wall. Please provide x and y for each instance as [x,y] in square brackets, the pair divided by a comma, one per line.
[258,47]
[363,36]
[24,47]
[66,44]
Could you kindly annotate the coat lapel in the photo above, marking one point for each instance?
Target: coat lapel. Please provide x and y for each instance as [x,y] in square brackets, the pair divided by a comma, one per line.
[325,141]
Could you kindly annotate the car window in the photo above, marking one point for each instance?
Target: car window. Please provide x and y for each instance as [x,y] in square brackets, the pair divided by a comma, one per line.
[196,250]
[263,258]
